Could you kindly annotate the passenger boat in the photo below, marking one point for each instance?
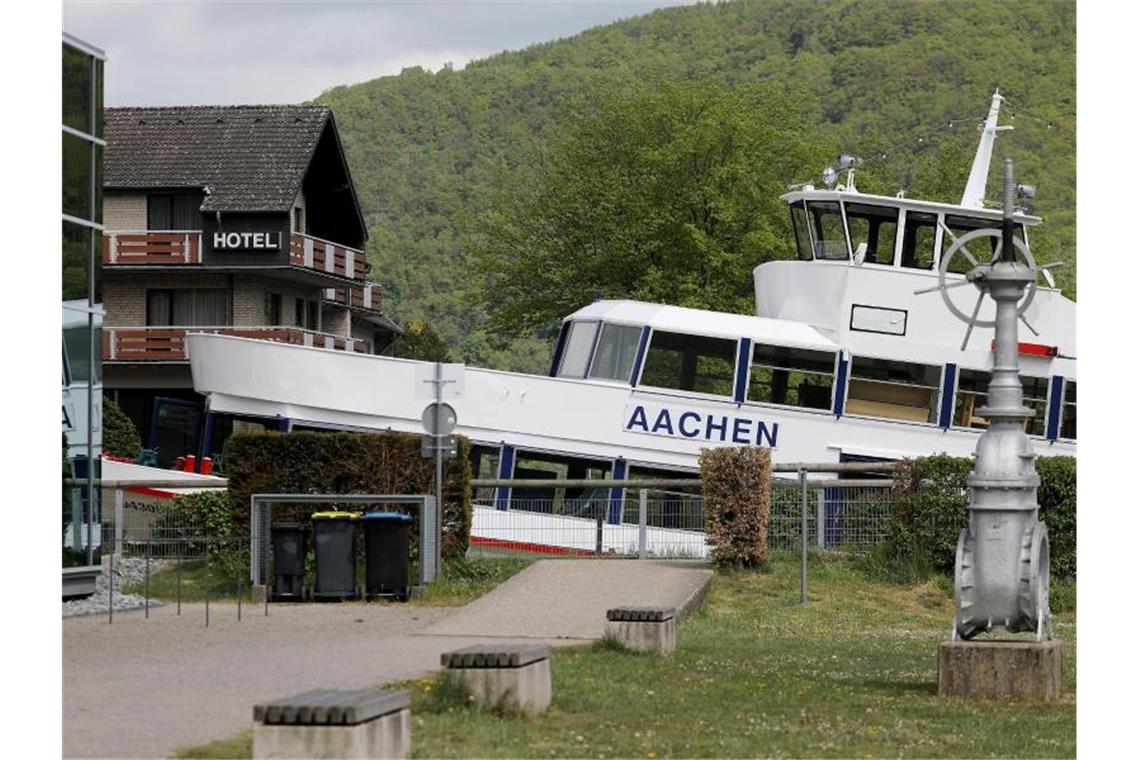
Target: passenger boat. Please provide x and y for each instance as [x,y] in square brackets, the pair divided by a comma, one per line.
[842,360]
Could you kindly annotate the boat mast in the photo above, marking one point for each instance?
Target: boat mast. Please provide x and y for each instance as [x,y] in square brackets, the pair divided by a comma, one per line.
[975,193]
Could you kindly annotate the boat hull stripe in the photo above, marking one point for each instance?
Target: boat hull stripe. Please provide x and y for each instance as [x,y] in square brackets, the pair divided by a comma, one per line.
[840,386]
[742,361]
[506,472]
[949,383]
[641,346]
[613,516]
[1053,415]
[558,348]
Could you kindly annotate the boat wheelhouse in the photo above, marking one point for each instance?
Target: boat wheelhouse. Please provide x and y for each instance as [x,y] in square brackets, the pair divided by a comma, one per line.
[848,357]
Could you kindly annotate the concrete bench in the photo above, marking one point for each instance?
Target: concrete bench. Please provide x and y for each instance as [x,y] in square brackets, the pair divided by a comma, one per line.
[643,629]
[508,675]
[327,723]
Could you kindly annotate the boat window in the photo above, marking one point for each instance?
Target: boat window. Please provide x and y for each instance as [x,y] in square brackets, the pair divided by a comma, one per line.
[1034,392]
[617,349]
[895,390]
[485,466]
[827,228]
[690,363]
[918,240]
[576,501]
[799,223]
[1069,411]
[791,376]
[876,226]
[676,507]
[576,355]
[972,386]
[983,249]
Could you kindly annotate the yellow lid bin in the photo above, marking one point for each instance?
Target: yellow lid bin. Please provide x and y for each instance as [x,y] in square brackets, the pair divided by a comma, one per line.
[335,516]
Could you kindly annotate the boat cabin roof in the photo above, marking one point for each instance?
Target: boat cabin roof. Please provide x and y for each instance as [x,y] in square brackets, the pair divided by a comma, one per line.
[714,324]
[810,193]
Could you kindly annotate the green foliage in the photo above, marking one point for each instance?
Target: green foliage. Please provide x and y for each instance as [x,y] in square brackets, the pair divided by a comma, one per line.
[346,463]
[421,341]
[120,436]
[431,153]
[736,483]
[931,500]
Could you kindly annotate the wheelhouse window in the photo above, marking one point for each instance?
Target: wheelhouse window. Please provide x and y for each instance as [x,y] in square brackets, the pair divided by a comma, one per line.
[827,228]
[188,307]
[984,247]
[576,354]
[791,376]
[918,240]
[690,363]
[894,390]
[617,349]
[876,226]
[1069,411]
[800,225]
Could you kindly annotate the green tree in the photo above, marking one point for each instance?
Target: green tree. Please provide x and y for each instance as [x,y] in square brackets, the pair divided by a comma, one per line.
[664,193]
[421,341]
[120,436]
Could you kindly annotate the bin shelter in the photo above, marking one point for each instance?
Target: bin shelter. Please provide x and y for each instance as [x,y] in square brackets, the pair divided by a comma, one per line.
[288,561]
[386,554]
[334,539]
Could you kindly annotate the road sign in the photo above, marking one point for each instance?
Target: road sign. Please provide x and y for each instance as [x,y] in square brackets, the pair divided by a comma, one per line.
[445,444]
[445,416]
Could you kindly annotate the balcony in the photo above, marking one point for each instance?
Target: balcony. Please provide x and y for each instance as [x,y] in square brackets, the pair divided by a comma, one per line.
[152,248]
[185,248]
[368,296]
[168,344]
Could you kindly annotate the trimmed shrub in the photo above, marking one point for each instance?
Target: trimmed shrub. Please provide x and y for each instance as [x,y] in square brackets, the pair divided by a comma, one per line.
[120,436]
[736,484]
[347,463]
[931,500]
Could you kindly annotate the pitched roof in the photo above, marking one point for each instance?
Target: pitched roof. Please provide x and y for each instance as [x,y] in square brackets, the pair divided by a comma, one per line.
[253,158]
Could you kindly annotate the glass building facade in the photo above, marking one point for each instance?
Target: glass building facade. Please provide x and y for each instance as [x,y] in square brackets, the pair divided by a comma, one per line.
[82,206]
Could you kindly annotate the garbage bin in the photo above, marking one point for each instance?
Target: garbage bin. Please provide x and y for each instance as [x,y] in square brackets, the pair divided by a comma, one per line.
[386,554]
[288,560]
[334,539]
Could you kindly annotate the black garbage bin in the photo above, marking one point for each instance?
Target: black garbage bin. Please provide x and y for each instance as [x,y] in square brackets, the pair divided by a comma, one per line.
[334,539]
[288,560]
[386,554]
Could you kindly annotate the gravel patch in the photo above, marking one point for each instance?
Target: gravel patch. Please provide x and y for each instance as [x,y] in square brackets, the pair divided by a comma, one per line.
[129,570]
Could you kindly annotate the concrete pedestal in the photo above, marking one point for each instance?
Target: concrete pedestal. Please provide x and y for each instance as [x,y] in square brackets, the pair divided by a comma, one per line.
[388,736]
[1029,670]
[656,637]
[257,593]
[526,688]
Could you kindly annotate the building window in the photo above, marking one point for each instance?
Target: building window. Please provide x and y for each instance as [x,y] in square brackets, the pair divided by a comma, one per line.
[173,212]
[190,307]
[827,226]
[893,390]
[791,376]
[918,240]
[298,220]
[1069,411]
[273,308]
[579,343]
[305,313]
[690,363]
[876,226]
[617,349]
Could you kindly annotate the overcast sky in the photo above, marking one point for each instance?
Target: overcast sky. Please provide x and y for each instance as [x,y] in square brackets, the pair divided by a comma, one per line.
[177,52]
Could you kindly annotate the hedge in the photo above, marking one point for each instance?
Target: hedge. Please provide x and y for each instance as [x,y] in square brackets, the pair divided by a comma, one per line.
[736,484]
[342,463]
[931,501]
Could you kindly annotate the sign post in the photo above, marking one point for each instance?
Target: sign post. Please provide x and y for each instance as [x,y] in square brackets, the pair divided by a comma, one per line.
[439,420]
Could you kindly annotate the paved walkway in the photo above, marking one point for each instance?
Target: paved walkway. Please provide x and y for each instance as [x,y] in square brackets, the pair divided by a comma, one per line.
[145,687]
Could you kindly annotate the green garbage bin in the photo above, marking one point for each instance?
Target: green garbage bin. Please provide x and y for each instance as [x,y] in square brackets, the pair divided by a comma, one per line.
[334,547]
[386,554]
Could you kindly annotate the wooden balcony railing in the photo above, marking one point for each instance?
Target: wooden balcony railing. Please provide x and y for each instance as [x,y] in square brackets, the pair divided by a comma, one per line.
[325,256]
[154,248]
[367,296]
[168,344]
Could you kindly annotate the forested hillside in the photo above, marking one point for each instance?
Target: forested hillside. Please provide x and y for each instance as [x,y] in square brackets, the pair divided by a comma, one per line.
[442,161]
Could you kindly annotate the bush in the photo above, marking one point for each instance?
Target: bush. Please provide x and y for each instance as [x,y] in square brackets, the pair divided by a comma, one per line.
[347,463]
[120,436]
[931,500]
[736,483]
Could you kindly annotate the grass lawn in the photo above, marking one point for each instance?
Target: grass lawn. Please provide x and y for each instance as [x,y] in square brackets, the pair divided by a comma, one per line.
[853,673]
[459,582]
